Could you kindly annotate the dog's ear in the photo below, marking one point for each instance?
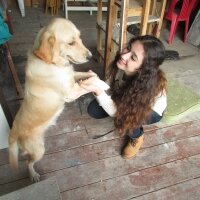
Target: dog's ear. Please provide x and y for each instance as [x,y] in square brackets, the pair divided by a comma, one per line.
[45,50]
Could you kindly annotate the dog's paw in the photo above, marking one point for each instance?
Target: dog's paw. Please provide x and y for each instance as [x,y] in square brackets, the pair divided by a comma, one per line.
[35,177]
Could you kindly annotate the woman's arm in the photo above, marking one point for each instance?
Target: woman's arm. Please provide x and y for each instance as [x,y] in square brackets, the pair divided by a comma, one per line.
[98,87]
[107,103]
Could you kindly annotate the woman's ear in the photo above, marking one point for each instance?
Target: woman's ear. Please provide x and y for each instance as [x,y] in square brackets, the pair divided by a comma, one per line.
[45,50]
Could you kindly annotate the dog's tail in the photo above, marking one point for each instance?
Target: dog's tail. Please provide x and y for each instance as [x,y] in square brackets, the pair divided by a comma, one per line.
[13,151]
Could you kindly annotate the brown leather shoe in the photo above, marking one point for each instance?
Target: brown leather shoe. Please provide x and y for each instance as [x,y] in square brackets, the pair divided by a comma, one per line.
[132,147]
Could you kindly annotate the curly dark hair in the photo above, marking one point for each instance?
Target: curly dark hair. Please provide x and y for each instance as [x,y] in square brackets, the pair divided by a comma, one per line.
[134,98]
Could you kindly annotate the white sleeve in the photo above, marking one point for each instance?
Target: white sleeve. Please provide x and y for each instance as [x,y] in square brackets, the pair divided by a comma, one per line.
[107,103]
[160,103]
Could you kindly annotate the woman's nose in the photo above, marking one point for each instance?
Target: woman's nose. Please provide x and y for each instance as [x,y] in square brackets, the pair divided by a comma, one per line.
[126,55]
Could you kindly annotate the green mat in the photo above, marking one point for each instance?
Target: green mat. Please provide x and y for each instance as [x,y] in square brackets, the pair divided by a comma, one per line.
[181,102]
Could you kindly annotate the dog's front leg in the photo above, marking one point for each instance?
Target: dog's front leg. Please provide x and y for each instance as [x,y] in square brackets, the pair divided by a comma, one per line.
[83,75]
[75,92]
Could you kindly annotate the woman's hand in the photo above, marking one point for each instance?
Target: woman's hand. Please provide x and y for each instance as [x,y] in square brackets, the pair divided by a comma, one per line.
[91,84]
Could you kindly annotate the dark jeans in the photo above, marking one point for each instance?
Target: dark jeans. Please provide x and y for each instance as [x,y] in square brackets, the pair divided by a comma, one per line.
[97,112]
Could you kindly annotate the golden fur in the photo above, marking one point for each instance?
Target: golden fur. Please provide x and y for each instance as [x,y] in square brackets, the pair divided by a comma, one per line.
[50,82]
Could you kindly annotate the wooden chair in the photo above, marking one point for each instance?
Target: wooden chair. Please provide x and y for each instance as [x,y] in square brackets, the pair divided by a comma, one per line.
[54,6]
[131,12]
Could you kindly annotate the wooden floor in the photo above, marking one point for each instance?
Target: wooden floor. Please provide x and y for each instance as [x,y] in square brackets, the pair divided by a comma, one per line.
[166,167]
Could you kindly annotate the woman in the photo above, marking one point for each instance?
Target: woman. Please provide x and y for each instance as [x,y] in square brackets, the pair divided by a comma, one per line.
[137,93]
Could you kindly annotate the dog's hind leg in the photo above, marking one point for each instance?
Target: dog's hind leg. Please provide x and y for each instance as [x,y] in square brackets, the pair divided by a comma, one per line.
[34,146]
[33,158]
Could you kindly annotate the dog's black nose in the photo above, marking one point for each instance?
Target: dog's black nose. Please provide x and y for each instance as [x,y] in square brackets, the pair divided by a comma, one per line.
[89,55]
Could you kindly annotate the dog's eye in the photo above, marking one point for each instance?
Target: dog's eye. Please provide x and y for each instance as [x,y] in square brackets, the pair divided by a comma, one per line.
[72,43]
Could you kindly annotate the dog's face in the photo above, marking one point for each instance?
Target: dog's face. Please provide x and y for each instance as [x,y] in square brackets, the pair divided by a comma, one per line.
[60,43]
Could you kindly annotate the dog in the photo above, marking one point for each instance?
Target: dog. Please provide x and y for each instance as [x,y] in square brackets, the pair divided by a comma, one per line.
[50,82]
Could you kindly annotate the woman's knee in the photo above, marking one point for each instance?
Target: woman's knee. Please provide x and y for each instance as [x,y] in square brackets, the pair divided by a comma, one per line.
[96,111]
[154,117]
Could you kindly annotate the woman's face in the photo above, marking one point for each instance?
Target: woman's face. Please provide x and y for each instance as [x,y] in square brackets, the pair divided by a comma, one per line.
[131,60]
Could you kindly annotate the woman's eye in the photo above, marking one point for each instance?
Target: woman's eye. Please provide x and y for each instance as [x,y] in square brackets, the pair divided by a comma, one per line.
[128,48]
[72,43]
[132,58]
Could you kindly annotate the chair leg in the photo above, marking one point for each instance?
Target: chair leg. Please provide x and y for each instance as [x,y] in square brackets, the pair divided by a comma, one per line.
[14,73]
[175,28]
[162,12]
[186,30]
[172,30]
[46,7]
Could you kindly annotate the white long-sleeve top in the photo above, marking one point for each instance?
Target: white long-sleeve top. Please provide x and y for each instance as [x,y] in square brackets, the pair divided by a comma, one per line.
[108,104]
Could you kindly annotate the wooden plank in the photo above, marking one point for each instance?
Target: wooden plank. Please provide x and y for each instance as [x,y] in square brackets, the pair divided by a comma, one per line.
[79,156]
[116,166]
[72,172]
[69,125]
[182,191]
[66,141]
[108,40]
[99,30]
[140,182]
[98,126]
[63,159]
[13,71]
[152,132]
[144,20]
[135,8]
[55,143]
[70,120]
[123,24]
[44,190]
[80,138]
[162,12]
[171,133]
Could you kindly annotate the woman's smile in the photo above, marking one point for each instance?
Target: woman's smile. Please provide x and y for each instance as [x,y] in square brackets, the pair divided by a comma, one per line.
[121,61]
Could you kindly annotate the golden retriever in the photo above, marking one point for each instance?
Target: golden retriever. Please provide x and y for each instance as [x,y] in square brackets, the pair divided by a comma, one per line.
[50,82]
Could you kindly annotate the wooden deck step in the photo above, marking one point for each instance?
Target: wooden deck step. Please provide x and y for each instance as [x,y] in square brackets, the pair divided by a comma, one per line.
[76,171]
[141,182]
